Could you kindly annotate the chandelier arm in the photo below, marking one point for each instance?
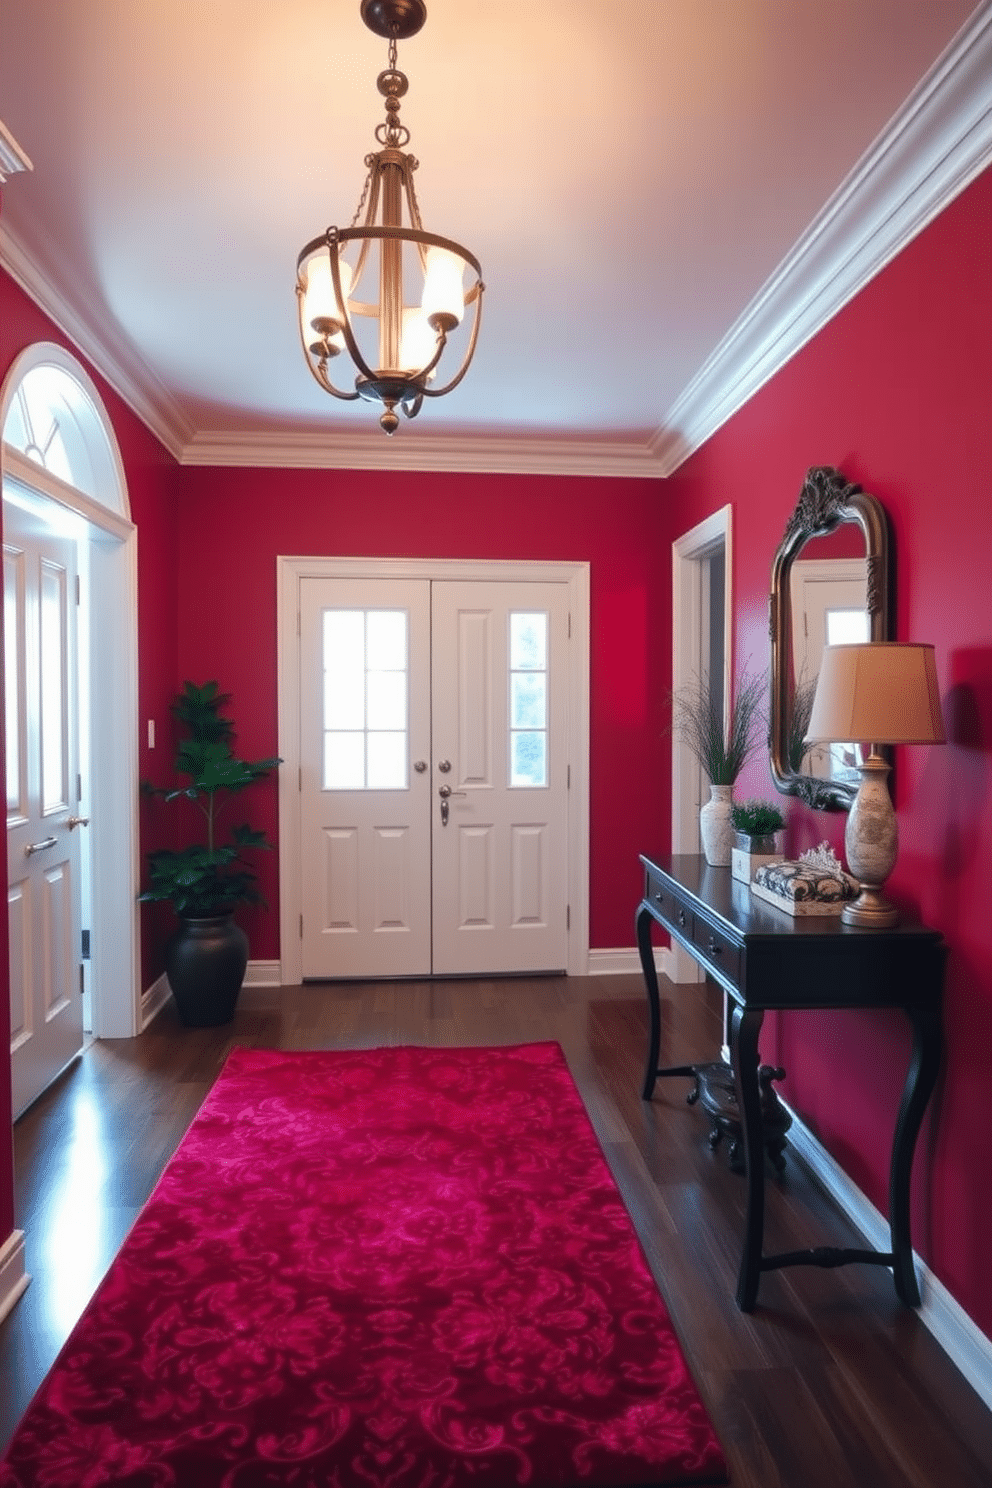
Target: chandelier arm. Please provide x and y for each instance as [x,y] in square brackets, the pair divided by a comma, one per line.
[317,367]
[469,353]
[328,386]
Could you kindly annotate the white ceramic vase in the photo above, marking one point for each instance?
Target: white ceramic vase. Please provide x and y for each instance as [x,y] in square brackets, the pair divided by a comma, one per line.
[715,826]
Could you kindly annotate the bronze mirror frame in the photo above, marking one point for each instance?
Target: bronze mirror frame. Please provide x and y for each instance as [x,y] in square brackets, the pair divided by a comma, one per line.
[826,500]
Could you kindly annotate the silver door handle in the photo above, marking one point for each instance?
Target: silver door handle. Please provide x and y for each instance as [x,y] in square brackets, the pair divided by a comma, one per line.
[77,821]
[444,791]
[34,847]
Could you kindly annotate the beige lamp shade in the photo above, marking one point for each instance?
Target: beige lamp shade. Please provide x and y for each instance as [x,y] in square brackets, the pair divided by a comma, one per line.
[880,692]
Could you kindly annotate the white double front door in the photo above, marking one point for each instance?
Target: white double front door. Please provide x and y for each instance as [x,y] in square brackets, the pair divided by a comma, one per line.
[434,763]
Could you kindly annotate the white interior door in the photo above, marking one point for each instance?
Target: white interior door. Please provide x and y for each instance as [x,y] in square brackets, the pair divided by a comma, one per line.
[433,777]
[43,856]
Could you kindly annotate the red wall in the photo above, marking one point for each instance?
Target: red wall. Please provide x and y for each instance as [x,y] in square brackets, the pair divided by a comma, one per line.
[895,392]
[233,523]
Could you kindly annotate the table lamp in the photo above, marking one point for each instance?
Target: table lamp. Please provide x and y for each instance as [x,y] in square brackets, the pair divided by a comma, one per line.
[880,692]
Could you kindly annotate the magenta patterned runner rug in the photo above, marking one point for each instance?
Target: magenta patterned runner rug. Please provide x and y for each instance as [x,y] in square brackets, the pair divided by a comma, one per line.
[391,1268]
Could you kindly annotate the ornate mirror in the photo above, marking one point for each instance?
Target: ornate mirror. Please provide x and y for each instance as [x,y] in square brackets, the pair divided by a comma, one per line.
[831,583]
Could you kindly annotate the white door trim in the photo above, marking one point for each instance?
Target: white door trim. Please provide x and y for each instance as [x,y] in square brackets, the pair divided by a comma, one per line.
[289,571]
[689,553]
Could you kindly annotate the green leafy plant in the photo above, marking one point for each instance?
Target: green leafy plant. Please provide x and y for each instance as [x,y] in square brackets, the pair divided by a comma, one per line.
[756,818]
[698,720]
[211,877]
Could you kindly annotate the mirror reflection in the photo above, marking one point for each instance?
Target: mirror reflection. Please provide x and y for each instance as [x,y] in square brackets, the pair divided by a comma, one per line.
[830,585]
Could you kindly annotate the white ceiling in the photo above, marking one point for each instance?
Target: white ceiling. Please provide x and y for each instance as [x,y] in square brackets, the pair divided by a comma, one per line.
[633,177]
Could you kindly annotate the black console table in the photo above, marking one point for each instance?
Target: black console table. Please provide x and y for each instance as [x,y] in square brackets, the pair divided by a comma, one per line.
[766,959]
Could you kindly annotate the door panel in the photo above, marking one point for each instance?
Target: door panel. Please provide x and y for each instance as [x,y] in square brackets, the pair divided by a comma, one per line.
[42,849]
[366,890]
[499,862]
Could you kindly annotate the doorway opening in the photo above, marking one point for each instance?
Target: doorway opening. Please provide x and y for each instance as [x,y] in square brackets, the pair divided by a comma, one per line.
[702,649]
[295,576]
[59,454]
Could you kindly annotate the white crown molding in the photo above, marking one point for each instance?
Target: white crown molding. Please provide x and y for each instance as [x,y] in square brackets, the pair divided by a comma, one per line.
[938,142]
[132,379]
[12,157]
[372,450]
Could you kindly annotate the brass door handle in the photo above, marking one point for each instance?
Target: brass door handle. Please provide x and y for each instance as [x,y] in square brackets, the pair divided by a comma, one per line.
[77,821]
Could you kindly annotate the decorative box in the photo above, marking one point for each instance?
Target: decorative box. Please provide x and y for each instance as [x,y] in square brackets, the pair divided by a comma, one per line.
[749,853]
[815,884]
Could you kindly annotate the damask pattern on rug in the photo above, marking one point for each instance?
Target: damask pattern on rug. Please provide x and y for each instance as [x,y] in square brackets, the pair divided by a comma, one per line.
[388,1268]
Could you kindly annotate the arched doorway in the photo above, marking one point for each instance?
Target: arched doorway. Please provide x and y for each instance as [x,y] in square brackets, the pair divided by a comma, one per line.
[60,461]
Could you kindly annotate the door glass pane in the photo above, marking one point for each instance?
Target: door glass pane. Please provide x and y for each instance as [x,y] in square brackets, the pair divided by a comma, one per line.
[387,700]
[529,764]
[386,640]
[528,698]
[845,628]
[365,708]
[386,761]
[344,761]
[53,703]
[528,641]
[344,669]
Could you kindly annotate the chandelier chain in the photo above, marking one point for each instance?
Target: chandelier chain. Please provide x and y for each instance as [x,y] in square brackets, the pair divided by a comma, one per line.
[370,162]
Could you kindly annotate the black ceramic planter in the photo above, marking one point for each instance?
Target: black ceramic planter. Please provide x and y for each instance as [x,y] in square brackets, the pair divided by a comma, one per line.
[205,962]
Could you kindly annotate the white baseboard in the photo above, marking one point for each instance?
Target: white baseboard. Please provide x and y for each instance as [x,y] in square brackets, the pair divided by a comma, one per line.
[153,1000]
[263,974]
[624,962]
[13,1277]
[960,1338]
[257,974]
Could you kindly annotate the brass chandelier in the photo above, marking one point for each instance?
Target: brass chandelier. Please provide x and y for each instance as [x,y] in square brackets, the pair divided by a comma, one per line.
[400,368]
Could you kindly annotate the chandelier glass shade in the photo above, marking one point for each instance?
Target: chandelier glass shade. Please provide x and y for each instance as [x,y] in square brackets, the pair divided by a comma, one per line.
[385,292]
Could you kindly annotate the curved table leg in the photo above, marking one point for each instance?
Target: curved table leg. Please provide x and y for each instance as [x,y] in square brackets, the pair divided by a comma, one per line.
[745,1027]
[646,953]
[921,1077]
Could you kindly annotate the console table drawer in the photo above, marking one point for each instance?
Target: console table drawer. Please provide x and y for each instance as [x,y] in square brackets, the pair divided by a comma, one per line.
[717,949]
[668,907]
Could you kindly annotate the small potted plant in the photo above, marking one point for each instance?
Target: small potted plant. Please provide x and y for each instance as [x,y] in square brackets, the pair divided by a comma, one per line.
[755,824]
[206,959]
[697,717]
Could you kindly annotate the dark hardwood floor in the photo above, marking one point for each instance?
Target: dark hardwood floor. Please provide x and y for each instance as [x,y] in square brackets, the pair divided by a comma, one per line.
[830,1383]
